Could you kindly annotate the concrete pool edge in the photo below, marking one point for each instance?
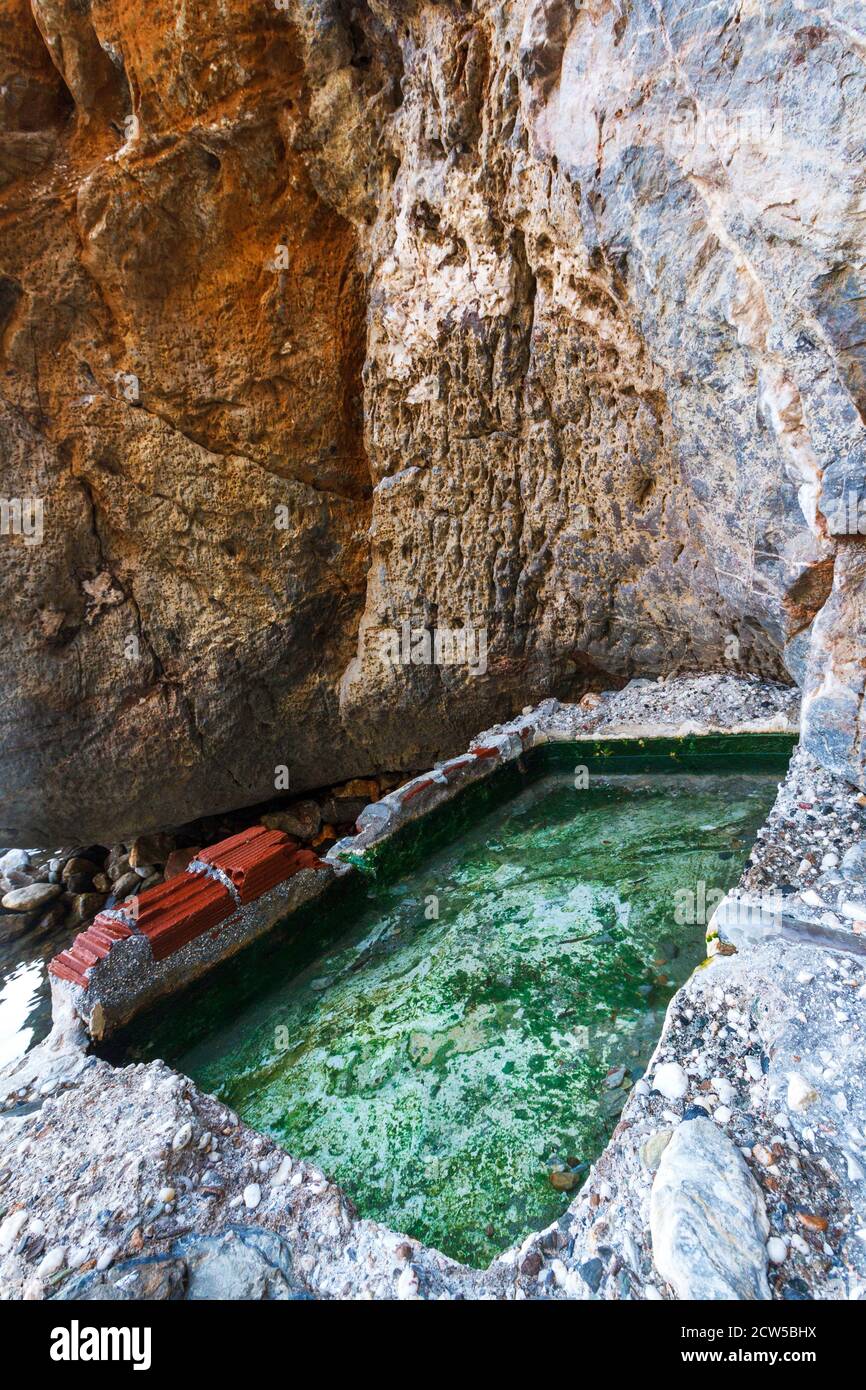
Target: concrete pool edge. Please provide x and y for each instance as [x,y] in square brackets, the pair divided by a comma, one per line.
[600,1249]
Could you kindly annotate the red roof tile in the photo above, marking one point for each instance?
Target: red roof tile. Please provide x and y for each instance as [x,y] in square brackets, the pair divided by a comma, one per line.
[174,913]
[255,860]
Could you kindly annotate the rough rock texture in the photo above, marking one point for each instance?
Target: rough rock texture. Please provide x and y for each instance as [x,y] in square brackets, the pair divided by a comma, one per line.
[613,376]
[189,411]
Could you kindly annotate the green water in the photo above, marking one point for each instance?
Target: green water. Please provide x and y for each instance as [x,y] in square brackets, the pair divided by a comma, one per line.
[440,1067]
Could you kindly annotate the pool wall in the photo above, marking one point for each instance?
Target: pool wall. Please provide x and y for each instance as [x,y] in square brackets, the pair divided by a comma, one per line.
[174,934]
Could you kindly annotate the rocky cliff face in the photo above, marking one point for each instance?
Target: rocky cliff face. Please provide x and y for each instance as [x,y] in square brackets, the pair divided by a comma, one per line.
[323,323]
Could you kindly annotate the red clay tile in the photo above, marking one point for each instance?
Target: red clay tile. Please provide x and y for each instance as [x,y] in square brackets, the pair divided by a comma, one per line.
[67,969]
[112,926]
[190,904]
[255,860]
[174,913]
[305,859]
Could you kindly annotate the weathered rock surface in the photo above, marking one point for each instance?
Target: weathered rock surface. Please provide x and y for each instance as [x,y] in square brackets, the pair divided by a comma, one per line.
[182,341]
[609,258]
[707,1217]
[240,1263]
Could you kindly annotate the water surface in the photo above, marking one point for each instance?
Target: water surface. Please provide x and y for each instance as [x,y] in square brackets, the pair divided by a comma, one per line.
[478,1023]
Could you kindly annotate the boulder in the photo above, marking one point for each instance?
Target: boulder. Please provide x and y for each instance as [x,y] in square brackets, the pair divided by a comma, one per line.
[31,898]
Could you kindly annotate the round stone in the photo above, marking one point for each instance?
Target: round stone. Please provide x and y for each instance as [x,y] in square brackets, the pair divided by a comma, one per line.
[670,1080]
[31,898]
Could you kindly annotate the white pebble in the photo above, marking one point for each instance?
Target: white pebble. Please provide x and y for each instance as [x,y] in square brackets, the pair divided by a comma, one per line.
[182,1138]
[51,1261]
[252,1195]
[800,1094]
[11,1228]
[723,1089]
[777,1250]
[722,1114]
[283,1173]
[106,1258]
[670,1080]
[407,1284]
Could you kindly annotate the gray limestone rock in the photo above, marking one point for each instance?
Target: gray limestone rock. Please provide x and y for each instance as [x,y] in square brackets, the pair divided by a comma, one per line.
[707,1217]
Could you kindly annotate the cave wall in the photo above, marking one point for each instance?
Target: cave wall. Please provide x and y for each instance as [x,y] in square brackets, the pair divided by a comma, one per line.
[543,318]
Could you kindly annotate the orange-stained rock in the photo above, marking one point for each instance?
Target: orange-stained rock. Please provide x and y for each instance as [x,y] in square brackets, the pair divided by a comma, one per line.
[182,328]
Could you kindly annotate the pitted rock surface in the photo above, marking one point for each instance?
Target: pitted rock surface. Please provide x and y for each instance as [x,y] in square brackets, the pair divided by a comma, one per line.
[315,322]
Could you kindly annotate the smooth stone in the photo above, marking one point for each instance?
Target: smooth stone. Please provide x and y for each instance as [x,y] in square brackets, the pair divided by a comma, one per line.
[77,883]
[252,1196]
[670,1080]
[51,1262]
[14,924]
[853,861]
[707,1217]
[14,859]
[723,1089]
[127,883]
[651,1149]
[83,906]
[343,811]
[302,820]
[12,1227]
[182,1138]
[148,850]
[177,861]
[800,1094]
[54,917]
[74,867]
[283,1173]
[777,1250]
[30,899]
